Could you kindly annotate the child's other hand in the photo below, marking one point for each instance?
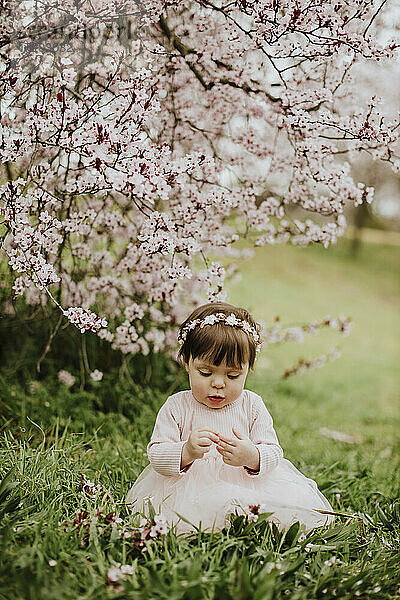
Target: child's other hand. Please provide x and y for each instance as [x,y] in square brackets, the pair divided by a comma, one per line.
[200,440]
[239,452]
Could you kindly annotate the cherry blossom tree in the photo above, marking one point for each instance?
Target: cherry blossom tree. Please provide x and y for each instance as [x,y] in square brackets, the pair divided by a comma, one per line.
[143,140]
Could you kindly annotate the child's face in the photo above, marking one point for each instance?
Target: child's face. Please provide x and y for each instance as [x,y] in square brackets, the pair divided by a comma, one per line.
[215,386]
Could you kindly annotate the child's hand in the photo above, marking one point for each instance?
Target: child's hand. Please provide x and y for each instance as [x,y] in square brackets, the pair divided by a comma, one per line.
[239,452]
[199,442]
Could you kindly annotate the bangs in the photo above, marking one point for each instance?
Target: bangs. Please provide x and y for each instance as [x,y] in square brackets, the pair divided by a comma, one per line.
[217,343]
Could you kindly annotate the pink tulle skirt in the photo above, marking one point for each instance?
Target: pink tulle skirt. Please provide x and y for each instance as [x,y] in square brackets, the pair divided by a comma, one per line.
[211,490]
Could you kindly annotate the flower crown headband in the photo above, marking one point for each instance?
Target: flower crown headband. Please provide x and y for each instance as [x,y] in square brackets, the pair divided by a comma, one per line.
[230,320]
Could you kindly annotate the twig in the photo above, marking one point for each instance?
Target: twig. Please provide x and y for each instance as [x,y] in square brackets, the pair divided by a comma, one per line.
[84,354]
[373,18]
[48,345]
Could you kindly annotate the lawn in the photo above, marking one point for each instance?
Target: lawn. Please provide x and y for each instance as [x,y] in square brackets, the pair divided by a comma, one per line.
[60,535]
[358,393]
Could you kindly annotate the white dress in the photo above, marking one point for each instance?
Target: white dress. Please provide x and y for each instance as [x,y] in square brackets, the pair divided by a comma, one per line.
[208,490]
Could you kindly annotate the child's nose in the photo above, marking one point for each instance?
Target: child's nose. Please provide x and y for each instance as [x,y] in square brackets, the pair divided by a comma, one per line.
[218,382]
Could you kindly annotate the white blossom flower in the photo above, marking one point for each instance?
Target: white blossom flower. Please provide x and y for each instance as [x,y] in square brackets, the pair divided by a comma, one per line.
[296,334]
[66,378]
[252,517]
[96,375]
[127,569]
[118,572]
[114,574]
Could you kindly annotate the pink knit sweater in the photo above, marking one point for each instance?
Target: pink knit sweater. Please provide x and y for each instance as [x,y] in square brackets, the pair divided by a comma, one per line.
[182,412]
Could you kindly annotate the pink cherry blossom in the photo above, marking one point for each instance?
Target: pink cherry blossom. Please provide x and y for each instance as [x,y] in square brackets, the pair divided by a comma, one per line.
[84,319]
[136,162]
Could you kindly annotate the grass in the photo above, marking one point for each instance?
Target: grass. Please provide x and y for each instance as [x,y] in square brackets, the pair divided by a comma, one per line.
[53,438]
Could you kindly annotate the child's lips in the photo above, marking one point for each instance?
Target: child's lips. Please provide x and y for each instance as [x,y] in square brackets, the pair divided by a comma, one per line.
[216,398]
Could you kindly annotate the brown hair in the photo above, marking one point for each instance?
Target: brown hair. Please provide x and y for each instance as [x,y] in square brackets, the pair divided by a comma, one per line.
[219,341]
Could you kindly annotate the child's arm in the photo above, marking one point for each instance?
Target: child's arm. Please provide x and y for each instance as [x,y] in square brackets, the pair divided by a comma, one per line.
[165,447]
[263,436]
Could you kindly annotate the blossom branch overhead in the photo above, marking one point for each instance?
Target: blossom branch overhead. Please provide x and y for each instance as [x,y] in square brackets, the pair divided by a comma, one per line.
[137,138]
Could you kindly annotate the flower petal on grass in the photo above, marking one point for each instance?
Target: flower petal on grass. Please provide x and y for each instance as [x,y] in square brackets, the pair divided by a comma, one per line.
[340,437]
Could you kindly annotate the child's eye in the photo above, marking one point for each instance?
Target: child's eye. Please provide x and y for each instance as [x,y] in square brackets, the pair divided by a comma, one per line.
[204,374]
[233,376]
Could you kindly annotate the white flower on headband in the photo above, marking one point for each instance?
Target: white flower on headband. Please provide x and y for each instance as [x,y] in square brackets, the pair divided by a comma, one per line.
[230,320]
[210,320]
[247,327]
